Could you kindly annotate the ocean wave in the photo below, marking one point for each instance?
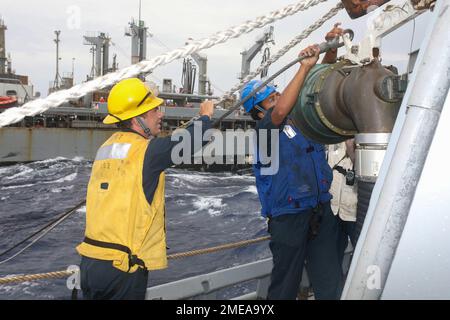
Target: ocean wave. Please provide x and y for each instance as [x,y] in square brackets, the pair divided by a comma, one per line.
[191,178]
[24,170]
[78,159]
[213,205]
[68,178]
[222,195]
[235,177]
[251,189]
[82,210]
[7,169]
[58,190]
[27,288]
[204,178]
[57,159]
[180,202]
[42,197]
[17,186]
[177,183]
[237,195]
[177,196]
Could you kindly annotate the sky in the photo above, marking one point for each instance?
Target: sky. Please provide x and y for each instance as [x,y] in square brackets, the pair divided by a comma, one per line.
[31,26]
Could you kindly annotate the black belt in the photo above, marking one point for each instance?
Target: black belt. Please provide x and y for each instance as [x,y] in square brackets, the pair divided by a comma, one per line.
[132,259]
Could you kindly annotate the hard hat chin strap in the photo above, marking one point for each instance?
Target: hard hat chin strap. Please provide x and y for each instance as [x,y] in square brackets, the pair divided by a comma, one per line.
[144,127]
[259,108]
[117,118]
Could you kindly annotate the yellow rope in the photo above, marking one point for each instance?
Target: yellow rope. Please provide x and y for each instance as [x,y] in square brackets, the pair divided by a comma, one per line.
[39,276]
[63,274]
[218,248]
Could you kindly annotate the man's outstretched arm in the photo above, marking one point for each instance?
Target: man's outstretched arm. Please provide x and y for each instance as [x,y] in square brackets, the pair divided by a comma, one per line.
[290,95]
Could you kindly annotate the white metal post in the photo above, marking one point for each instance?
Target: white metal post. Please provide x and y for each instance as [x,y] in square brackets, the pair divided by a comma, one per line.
[404,162]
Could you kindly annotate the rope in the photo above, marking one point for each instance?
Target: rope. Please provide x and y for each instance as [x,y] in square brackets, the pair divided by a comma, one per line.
[305,34]
[265,65]
[324,46]
[37,106]
[39,276]
[47,228]
[63,274]
[217,248]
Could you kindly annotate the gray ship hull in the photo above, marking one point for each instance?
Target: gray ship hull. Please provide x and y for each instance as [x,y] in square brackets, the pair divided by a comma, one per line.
[34,144]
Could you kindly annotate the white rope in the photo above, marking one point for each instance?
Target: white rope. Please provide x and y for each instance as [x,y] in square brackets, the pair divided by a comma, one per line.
[38,106]
[283,50]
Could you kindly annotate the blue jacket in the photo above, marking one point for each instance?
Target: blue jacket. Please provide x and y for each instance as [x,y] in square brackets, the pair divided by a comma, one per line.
[303,177]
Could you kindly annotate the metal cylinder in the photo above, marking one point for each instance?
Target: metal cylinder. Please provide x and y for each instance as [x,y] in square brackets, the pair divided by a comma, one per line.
[340,100]
[369,155]
[305,115]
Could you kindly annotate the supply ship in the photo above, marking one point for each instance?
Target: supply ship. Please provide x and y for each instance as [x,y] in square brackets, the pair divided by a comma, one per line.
[75,128]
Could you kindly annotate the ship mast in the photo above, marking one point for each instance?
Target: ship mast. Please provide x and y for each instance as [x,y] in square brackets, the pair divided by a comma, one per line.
[138,33]
[58,80]
[3,58]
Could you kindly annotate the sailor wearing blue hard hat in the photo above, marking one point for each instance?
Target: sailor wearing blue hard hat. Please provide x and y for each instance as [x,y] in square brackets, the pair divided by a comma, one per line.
[260,96]
[295,198]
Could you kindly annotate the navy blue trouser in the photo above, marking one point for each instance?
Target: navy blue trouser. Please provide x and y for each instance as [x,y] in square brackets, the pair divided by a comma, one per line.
[101,281]
[348,232]
[291,247]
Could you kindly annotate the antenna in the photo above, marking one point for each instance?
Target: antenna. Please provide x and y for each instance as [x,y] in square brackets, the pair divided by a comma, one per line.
[140,11]
[73,68]
[92,74]
[58,80]
[3,59]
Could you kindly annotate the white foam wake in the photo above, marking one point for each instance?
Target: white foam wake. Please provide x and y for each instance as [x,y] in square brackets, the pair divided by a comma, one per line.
[24,171]
[213,205]
[70,177]
[16,187]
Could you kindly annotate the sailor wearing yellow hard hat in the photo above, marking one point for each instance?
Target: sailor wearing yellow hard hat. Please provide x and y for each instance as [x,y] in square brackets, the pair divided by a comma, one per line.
[125,219]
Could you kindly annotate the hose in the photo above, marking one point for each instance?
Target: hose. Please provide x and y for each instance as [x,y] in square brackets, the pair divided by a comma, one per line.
[364,193]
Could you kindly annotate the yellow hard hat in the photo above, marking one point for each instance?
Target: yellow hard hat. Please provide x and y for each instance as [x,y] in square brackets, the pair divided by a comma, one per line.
[128,99]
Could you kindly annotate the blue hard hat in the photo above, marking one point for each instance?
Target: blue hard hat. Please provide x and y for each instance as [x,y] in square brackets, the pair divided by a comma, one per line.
[261,95]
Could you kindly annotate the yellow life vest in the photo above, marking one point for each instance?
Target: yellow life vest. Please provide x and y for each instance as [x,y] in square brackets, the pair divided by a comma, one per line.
[121,226]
